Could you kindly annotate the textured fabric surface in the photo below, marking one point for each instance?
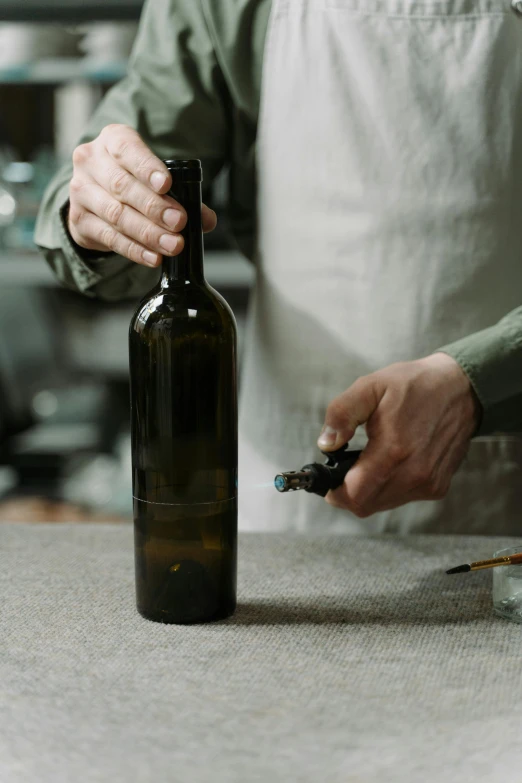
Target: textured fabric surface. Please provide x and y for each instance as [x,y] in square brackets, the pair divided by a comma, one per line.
[349,660]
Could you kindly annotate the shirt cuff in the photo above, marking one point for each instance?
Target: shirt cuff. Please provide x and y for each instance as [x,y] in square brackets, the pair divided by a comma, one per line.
[87,267]
[492,360]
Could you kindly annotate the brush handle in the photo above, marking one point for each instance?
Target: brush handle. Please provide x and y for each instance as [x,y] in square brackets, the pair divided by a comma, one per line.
[497,561]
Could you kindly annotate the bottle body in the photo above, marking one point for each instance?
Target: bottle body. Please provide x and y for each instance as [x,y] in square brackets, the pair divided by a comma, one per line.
[183,377]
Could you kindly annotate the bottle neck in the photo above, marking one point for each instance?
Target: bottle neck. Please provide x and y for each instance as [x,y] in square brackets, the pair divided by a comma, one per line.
[188,265]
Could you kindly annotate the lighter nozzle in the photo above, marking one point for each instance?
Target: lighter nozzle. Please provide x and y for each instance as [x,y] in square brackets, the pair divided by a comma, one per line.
[280,483]
[293,479]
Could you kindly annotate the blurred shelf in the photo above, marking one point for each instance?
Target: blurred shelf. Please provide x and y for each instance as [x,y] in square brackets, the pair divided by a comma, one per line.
[88,327]
[223,269]
[63,69]
[69,10]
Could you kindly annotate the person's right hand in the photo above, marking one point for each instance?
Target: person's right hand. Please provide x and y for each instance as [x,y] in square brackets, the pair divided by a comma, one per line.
[118,202]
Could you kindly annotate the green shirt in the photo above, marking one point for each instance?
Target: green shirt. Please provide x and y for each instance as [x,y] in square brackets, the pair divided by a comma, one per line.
[193,90]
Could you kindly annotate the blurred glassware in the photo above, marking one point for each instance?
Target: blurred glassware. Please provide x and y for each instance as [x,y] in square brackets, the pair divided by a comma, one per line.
[18,172]
[108,42]
[17,178]
[507,587]
[26,42]
[74,105]
[22,184]
[8,205]
[8,479]
[7,215]
[44,404]
[7,208]
[103,482]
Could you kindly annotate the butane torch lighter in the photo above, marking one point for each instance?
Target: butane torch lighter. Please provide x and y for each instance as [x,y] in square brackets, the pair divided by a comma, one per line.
[319,478]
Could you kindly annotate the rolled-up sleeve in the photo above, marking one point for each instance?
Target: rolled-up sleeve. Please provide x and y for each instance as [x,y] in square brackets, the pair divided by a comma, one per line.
[175,96]
[492,360]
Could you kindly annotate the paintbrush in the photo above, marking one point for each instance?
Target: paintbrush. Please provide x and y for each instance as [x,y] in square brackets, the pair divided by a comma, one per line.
[493,563]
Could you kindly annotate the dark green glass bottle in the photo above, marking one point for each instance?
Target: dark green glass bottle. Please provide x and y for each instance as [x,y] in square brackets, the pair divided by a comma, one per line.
[183,378]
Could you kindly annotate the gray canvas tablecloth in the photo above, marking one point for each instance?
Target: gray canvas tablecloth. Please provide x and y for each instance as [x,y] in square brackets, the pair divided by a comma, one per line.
[349,660]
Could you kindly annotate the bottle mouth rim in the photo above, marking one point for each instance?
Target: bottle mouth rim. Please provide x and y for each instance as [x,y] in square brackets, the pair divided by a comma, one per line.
[185,171]
[179,164]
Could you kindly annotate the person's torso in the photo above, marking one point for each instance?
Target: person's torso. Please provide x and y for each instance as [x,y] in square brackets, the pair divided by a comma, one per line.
[390,178]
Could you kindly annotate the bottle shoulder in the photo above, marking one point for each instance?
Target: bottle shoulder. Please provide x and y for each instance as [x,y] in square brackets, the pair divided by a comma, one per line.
[181,306]
[220,303]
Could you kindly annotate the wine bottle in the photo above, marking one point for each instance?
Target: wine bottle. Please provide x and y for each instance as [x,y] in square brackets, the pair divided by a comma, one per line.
[183,378]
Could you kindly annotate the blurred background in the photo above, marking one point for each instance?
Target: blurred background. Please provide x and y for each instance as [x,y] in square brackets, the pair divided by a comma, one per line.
[64,403]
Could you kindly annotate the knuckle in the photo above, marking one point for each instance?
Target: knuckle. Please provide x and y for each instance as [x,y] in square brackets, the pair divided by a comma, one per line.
[334,501]
[108,237]
[86,241]
[76,233]
[118,182]
[114,131]
[362,387]
[114,212]
[360,383]
[147,235]
[119,141]
[134,251]
[358,504]
[360,510]
[382,473]
[113,127]
[398,452]
[76,214]
[336,411]
[75,186]
[421,475]
[144,162]
[81,154]
[152,207]
[78,227]
[338,499]
[120,149]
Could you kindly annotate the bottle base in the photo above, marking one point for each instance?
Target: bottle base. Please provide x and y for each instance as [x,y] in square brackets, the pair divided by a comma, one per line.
[170,619]
[186,559]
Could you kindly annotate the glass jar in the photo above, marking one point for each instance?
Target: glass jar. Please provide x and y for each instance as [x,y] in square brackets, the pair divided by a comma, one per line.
[507,587]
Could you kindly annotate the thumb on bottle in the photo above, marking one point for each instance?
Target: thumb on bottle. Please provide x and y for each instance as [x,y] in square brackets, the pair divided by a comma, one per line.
[348,411]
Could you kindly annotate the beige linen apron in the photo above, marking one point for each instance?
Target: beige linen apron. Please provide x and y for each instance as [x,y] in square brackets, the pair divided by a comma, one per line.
[390,223]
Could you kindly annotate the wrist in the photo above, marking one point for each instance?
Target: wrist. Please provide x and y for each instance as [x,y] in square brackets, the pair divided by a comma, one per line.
[460,383]
[84,253]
